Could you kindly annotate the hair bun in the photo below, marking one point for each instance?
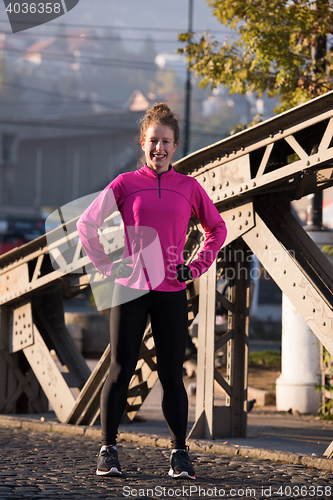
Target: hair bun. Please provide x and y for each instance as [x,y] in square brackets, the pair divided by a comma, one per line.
[162,107]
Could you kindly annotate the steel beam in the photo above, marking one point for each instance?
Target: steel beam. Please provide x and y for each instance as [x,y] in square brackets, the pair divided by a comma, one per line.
[212,421]
[237,353]
[310,295]
[20,391]
[203,426]
[49,377]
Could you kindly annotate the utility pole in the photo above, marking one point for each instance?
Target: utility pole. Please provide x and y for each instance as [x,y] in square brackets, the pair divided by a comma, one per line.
[315,206]
[186,147]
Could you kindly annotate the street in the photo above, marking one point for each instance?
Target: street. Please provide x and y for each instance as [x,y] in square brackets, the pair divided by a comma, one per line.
[50,465]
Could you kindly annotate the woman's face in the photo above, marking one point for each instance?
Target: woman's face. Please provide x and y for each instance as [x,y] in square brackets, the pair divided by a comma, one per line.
[159,147]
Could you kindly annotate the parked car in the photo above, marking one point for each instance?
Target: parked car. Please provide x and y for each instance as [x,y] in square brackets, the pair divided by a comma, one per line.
[14,232]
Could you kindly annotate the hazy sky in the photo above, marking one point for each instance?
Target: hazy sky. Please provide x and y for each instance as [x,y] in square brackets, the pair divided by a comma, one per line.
[159,19]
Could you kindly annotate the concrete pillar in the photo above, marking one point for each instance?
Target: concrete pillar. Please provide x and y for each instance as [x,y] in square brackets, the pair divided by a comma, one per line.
[296,386]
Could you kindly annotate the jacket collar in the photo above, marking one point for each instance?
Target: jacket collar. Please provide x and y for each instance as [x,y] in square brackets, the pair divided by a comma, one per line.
[152,173]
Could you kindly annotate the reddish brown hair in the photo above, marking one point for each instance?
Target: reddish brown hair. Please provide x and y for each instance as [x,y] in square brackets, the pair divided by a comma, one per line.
[161,114]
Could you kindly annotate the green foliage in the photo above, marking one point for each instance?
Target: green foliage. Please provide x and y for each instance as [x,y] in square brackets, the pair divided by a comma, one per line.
[326,409]
[238,128]
[265,359]
[272,52]
[328,249]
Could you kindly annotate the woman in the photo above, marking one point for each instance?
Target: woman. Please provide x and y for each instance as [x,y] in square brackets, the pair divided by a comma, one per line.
[156,204]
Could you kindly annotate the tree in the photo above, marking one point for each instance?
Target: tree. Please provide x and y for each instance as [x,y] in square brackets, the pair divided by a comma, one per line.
[280,49]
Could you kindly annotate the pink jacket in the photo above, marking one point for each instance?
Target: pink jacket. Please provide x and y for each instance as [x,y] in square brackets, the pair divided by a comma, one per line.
[155,209]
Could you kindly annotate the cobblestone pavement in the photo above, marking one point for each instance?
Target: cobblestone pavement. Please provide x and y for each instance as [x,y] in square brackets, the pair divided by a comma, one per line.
[49,465]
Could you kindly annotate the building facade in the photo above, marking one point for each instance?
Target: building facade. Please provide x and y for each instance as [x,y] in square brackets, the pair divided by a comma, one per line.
[48,164]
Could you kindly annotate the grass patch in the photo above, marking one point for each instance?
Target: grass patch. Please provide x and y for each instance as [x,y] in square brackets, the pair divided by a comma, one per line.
[265,359]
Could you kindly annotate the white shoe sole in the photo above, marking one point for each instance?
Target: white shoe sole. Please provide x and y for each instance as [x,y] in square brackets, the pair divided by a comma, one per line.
[114,472]
[183,474]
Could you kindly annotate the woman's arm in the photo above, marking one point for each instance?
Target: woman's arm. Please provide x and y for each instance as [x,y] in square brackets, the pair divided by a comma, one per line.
[92,218]
[214,227]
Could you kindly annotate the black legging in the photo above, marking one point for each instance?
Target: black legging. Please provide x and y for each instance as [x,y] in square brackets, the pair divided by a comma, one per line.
[168,314]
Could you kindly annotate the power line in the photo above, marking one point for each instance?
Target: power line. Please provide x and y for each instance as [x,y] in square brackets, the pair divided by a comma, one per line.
[127,28]
[93,37]
[126,64]
[64,126]
[79,100]
[53,93]
[60,100]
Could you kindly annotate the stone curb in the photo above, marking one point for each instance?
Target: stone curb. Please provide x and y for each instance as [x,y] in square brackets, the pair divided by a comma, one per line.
[159,441]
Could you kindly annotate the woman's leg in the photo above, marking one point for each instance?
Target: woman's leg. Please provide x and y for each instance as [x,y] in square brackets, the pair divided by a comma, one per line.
[169,324]
[127,325]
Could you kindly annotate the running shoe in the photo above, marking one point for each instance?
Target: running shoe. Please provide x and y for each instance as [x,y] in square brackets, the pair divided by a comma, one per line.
[107,462]
[181,466]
